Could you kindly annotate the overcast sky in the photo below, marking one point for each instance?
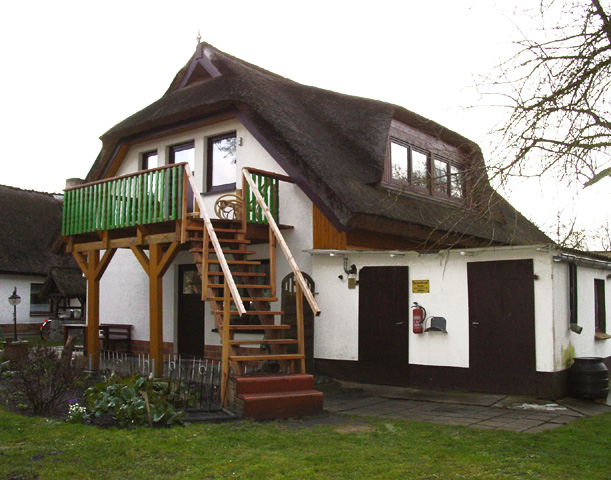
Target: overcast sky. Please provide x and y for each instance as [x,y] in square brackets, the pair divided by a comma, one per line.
[72,70]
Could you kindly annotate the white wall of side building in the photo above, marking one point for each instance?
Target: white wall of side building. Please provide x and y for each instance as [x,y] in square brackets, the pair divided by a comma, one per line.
[23,284]
[336,330]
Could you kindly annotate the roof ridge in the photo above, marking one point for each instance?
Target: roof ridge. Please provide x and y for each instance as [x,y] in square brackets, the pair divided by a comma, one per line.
[29,190]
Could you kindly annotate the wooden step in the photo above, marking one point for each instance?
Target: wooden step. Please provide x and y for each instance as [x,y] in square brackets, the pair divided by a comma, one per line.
[233,240]
[220,285]
[275,341]
[259,327]
[260,358]
[233,251]
[236,262]
[248,312]
[228,230]
[247,299]
[237,274]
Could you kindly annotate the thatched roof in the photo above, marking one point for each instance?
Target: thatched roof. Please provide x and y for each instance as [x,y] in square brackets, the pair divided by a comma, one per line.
[29,226]
[333,145]
[68,282]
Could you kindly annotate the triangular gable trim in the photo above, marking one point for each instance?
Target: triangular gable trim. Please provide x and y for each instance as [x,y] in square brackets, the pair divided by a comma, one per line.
[199,59]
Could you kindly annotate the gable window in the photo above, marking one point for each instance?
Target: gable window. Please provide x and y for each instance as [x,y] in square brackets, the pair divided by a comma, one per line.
[148,160]
[38,306]
[222,158]
[600,313]
[419,168]
[184,152]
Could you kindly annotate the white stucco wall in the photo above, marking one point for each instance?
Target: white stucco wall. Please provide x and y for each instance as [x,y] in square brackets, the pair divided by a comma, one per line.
[570,344]
[336,334]
[124,286]
[22,282]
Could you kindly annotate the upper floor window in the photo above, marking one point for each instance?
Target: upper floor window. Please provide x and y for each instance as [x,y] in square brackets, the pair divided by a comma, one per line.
[222,160]
[148,160]
[424,171]
[184,152]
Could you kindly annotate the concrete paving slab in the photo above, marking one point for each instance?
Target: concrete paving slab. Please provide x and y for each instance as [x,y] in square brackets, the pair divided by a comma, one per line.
[585,407]
[460,398]
[520,414]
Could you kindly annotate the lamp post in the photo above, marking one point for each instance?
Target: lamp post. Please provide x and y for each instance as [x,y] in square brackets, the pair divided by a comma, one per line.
[14,300]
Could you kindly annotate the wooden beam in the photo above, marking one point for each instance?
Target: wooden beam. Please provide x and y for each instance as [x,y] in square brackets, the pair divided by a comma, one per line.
[225,338]
[93,310]
[103,264]
[168,257]
[156,308]
[300,327]
[81,260]
[127,242]
[141,256]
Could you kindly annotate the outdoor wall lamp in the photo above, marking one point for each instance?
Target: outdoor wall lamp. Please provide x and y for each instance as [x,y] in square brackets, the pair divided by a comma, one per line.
[14,300]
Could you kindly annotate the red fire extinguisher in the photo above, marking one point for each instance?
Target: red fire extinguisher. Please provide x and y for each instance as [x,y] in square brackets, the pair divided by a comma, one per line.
[419,314]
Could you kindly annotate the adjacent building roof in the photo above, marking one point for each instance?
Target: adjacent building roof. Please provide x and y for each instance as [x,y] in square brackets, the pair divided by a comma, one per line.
[333,145]
[29,227]
[68,282]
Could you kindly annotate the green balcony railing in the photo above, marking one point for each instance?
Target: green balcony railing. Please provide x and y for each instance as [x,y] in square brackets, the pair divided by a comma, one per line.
[151,196]
[268,188]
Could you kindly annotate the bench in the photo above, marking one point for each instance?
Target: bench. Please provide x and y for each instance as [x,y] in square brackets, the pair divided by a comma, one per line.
[116,337]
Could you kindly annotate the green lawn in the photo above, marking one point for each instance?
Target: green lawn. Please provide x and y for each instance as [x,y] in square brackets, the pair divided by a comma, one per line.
[359,448]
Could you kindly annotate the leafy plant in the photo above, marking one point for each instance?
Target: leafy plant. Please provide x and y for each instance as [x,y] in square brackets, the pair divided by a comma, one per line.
[44,377]
[135,400]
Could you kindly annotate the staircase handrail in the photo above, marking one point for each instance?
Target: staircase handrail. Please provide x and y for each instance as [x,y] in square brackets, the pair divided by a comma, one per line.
[283,245]
[237,299]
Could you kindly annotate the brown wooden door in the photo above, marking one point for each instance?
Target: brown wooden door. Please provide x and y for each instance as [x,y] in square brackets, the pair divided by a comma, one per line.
[190,335]
[502,326]
[384,325]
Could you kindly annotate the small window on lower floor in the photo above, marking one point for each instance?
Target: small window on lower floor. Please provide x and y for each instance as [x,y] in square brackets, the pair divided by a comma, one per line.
[600,313]
[37,304]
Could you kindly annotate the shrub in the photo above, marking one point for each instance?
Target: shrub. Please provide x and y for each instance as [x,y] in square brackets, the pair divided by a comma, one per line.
[134,401]
[44,378]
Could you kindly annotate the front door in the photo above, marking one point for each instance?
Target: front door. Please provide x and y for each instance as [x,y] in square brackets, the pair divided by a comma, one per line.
[502,326]
[384,325]
[190,312]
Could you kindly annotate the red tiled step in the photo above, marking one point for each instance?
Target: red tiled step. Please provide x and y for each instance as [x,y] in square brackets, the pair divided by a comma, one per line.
[273,383]
[263,406]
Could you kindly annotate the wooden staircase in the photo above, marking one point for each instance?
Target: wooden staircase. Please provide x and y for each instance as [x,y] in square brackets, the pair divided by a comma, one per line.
[255,287]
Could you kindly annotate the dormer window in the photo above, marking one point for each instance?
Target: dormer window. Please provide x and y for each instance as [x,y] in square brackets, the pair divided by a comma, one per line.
[423,171]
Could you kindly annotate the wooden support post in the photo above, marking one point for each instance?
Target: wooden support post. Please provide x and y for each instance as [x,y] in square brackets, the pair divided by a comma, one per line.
[156,309]
[93,268]
[225,352]
[300,328]
[155,266]
[205,264]
[272,262]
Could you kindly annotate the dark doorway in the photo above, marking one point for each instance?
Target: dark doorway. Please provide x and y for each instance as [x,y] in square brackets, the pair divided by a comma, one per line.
[502,326]
[384,325]
[190,312]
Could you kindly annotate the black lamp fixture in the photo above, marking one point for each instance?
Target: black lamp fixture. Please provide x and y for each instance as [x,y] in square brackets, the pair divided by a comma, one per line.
[14,300]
